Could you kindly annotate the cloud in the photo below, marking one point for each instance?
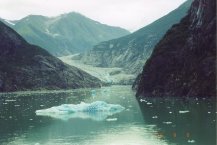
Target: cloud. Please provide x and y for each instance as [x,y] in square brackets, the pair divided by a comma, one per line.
[129,14]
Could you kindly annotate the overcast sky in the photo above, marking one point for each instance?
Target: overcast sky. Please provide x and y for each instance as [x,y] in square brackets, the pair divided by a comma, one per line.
[129,14]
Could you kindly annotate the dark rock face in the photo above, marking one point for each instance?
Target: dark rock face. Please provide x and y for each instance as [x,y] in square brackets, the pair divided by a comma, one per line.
[132,51]
[65,34]
[28,67]
[183,62]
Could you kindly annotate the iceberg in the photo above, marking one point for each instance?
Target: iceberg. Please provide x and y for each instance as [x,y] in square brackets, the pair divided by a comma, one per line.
[97,111]
[184,111]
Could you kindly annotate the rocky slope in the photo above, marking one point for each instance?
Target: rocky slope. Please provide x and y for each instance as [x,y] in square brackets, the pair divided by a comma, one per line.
[131,52]
[183,62]
[28,67]
[65,34]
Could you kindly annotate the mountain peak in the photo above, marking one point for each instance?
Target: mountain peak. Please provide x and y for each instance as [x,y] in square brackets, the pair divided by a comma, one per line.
[67,33]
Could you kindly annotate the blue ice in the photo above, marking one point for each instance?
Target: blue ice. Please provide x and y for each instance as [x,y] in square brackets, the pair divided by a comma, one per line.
[98,111]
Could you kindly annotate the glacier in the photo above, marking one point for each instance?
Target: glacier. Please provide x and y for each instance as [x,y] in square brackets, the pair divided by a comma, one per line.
[98,111]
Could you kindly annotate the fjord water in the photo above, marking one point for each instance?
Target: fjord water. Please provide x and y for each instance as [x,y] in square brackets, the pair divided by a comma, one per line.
[150,122]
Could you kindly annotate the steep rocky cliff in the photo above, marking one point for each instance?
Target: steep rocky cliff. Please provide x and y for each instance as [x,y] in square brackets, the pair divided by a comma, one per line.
[131,52]
[28,67]
[183,62]
[64,34]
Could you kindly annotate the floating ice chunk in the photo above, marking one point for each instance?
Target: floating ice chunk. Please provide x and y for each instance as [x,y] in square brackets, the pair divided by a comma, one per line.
[111,119]
[142,100]
[191,141]
[98,110]
[10,100]
[149,103]
[185,111]
[167,122]
[155,117]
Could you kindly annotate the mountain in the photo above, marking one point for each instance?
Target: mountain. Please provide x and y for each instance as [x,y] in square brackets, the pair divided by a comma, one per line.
[28,67]
[183,63]
[65,34]
[130,52]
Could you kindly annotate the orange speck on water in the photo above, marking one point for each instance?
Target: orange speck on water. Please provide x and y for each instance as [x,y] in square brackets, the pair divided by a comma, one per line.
[187,134]
[174,134]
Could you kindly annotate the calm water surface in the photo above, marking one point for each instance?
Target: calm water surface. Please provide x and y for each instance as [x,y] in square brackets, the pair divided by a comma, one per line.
[149,122]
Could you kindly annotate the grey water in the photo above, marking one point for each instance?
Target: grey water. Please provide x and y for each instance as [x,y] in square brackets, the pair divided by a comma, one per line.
[150,121]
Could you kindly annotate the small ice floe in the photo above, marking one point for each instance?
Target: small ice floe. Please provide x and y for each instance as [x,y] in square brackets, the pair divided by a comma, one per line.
[142,100]
[216,112]
[170,112]
[30,119]
[111,119]
[168,122]
[154,117]
[37,143]
[10,100]
[41,105]
[209,112]
[149,103]
[184,111]
[191,141]
[151,126]
[97,111]
[16,105]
